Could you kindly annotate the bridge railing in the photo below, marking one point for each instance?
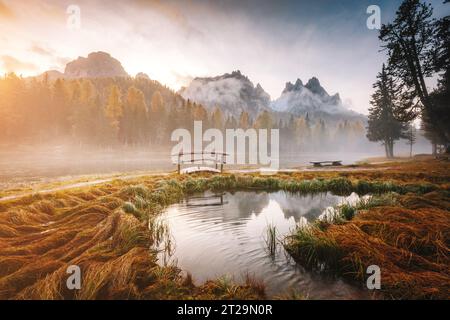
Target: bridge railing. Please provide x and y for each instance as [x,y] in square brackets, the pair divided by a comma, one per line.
[216,158]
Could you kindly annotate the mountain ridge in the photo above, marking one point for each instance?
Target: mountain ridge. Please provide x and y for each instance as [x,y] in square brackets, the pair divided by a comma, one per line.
[97,64]
[233,92]
[296,98]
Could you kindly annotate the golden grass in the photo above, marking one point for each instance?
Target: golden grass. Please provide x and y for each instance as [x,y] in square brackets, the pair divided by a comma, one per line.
[410,245]
[41,235]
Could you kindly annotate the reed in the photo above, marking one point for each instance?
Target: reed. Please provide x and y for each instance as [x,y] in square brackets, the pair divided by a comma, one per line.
[271,239]
[404,228]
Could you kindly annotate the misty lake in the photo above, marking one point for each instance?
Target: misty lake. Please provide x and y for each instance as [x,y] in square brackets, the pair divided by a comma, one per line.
[215,235]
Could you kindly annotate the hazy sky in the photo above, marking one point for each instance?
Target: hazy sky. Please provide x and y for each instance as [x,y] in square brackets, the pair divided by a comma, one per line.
[272,42]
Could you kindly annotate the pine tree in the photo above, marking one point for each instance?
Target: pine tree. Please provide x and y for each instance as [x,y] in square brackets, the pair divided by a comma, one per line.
[409,41]
[436,120]
[382,125]
[410,137]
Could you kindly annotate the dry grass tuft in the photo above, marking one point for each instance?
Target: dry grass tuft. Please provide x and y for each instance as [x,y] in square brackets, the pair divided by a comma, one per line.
[42,234]
[411,246]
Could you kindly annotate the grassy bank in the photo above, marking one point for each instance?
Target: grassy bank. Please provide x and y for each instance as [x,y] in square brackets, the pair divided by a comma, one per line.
[104,230]
[407,236]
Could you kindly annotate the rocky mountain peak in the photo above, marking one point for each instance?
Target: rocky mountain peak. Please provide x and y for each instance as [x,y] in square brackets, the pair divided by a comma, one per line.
[96,65]
[311,99]
[293,87]
[233,92]
[314,86]
[142,75]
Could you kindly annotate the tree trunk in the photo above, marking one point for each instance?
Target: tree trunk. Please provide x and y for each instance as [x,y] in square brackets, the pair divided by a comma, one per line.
[391,149]
[434,148]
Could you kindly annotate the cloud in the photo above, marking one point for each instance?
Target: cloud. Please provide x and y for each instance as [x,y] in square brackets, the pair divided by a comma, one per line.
[182,80]
[51,54]
[168,10]
[11,64]
[5,11]
[41,50]
[171,13]
[63,60]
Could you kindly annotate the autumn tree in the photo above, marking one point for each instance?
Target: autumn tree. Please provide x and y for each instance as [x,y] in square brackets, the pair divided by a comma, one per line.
[12,120]
[217,120]
[83,124]
[59,108]
[199,113]
[134,122]
[157,118]
[113,112]
[302,131]
[320,134]
[263,121]
[231,123]
[244,120]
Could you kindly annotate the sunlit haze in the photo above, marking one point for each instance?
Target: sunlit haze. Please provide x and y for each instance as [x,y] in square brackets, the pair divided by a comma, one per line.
[174,41]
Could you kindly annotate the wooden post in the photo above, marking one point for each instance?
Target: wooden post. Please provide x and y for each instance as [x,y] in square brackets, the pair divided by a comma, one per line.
[216,160]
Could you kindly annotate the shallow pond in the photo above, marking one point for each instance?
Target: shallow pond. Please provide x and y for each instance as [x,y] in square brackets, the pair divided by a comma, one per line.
[225,235]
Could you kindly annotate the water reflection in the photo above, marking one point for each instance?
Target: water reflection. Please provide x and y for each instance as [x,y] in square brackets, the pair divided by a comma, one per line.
[216,235]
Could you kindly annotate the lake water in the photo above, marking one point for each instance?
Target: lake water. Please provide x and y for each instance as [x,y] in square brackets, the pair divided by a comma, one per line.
[225,235]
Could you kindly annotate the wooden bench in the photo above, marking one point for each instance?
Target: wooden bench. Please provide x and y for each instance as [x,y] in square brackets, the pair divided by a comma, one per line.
[327,163]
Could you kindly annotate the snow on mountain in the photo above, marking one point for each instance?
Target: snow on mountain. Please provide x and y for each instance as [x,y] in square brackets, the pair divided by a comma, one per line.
[232,92]
[312,98]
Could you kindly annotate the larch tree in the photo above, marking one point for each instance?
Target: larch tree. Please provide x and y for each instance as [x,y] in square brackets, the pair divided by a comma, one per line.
[263,121]
[217,119]
[244,120]
[157,118]
[134,124]
[60,108]
[113,112]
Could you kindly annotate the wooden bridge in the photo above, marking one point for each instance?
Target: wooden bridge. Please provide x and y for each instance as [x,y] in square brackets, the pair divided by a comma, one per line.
[217,159]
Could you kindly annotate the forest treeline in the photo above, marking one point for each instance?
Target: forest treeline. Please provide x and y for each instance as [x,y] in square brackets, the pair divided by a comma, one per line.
[108,112]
